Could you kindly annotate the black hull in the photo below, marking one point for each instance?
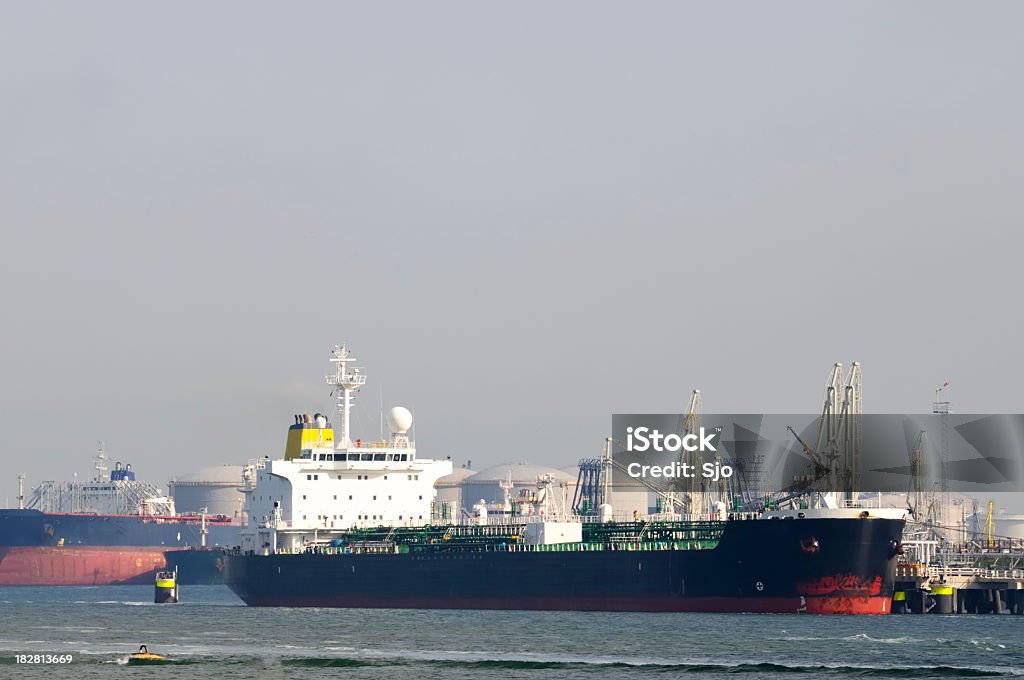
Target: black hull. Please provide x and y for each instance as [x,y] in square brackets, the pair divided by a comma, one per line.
[31,528]
[198,566]
[785,565]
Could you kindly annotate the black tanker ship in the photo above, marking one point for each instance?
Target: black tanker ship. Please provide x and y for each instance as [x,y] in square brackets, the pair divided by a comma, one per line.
[348,524]
[785,563]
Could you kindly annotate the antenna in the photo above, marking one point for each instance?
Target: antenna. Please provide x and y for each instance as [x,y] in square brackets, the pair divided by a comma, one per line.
[943,406]
[345,381]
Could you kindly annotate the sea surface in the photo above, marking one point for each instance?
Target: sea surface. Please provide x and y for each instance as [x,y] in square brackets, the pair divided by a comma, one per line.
[211,634]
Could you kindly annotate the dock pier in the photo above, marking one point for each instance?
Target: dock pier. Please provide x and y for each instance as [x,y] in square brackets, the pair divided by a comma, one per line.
[995,588]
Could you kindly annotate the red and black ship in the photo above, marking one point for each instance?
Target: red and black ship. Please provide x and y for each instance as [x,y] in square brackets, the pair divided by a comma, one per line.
[112,529]
[814,561]
[48,549]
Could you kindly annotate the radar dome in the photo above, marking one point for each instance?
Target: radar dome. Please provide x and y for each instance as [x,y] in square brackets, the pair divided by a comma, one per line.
[399,420]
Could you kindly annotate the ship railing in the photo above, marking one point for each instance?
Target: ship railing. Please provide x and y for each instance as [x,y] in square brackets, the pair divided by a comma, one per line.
[979,572]
[510,547]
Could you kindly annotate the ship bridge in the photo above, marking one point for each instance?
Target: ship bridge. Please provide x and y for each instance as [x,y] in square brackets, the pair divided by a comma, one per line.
[326,484]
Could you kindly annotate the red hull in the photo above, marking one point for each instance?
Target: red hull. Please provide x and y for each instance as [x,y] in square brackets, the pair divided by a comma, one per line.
[101,566]
[811,604]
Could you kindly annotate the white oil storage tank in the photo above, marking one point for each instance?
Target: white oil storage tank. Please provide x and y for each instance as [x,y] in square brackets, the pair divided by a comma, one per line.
[515,481]
[448,495]
[218,489]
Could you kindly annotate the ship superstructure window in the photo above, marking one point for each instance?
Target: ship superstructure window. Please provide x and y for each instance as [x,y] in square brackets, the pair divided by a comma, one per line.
[378,456]
[353,456]
[366,456]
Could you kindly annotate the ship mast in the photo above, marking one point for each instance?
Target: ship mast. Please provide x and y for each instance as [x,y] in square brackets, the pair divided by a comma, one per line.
[100,464]
[345,381]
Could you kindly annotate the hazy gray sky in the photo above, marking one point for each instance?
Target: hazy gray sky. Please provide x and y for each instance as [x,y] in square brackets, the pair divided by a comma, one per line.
[522,217]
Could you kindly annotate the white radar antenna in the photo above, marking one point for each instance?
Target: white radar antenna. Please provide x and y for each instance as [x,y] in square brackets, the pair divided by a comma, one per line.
[344,382]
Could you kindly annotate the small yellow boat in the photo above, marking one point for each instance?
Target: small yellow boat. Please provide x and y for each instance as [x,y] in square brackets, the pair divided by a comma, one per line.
[145,656]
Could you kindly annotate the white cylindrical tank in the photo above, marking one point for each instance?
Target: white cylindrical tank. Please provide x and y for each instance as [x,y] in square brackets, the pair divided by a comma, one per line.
[1009,525]
[215,488]
[604,512]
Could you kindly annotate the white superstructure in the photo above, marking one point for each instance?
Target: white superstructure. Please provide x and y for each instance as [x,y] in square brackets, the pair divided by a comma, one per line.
[319,489]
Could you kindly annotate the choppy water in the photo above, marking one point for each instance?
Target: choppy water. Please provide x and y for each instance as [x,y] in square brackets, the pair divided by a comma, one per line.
[212,635]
